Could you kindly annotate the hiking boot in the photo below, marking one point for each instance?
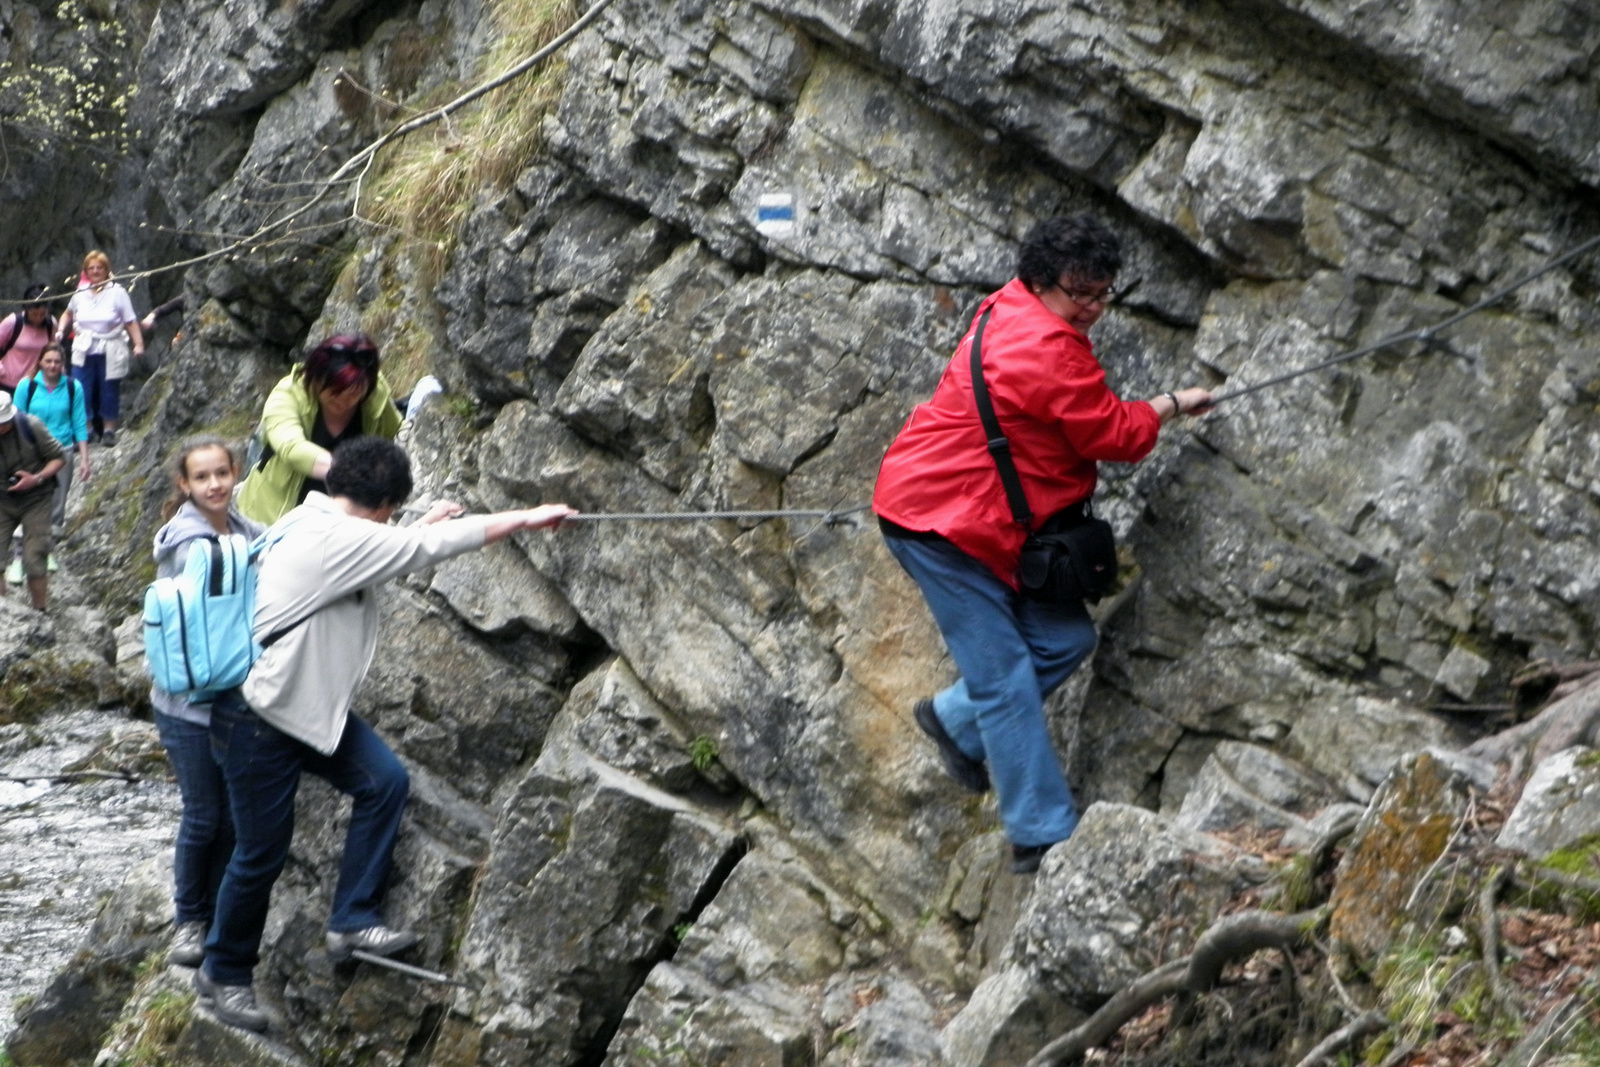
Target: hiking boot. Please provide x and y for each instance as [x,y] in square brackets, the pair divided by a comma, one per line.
[231,1004]
[108,438]
[1025,859]
[188,945]
[968,772]
[378,940]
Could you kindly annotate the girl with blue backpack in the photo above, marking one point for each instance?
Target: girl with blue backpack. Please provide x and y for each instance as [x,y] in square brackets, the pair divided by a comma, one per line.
[204,472]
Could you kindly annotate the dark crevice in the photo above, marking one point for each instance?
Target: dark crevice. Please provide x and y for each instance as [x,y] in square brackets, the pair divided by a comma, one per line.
[594,1052]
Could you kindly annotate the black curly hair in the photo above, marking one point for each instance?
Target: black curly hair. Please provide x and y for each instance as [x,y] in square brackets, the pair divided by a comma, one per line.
[371,471]
[1079,246]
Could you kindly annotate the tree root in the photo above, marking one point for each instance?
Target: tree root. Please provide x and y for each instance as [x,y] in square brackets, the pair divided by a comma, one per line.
[1234,937]
[1322,847]
[1351,1032]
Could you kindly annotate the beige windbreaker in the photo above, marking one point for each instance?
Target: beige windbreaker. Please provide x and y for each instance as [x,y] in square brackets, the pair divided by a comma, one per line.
[326,566]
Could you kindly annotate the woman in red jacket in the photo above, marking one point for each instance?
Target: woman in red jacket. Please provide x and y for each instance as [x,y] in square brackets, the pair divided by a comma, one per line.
[945,517]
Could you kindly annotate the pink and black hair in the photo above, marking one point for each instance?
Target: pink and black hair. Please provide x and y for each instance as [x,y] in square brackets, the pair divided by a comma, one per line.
[343,360]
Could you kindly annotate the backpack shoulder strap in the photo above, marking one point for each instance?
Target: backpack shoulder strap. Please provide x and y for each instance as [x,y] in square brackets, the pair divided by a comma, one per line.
[999,447]
[16,331]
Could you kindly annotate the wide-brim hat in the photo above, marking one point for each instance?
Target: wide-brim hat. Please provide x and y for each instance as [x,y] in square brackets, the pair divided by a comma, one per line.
[8,410]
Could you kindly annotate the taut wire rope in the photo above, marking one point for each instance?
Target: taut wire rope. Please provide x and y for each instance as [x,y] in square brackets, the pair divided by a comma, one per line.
[1427,334]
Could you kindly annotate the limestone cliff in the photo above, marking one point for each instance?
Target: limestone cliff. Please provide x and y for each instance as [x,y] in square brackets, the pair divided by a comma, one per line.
[670,805]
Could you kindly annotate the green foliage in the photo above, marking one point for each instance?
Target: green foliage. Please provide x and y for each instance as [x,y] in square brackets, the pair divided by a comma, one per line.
[681,931]
[81,96]
[1577,858]
[703,753]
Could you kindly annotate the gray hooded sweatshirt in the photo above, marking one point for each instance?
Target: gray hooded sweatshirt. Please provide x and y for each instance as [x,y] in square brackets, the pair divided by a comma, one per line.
[172,552]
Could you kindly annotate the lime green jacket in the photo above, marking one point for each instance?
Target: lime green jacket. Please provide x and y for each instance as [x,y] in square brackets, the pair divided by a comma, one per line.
[272,488]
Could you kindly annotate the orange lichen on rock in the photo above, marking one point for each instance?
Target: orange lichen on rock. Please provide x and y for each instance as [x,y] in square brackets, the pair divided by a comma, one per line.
[1406,829]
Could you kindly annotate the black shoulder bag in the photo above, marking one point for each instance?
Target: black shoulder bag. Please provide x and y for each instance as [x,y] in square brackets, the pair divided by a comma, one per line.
[1074,556]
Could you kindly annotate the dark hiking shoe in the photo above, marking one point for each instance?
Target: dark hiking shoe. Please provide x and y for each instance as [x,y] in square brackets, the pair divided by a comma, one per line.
[188,945]
[968,772]
[1025,859]
[378,940]
[109,438]
[231,1004]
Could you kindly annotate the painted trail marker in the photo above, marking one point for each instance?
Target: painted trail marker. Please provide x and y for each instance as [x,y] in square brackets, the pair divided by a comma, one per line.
[775,214]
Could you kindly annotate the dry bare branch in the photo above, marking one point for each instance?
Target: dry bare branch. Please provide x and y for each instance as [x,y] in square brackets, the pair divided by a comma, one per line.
[1489,935]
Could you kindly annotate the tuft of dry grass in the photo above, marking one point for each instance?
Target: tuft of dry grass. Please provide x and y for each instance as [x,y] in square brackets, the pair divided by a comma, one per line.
[425,183]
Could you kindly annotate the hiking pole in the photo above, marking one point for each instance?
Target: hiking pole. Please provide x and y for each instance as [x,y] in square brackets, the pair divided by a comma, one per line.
[407,969]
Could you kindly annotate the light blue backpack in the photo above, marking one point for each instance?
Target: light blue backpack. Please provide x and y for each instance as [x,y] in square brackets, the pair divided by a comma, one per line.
[197,625]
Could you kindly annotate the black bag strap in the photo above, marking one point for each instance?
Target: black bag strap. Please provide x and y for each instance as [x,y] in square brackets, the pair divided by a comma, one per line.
[999,447]
[16,331]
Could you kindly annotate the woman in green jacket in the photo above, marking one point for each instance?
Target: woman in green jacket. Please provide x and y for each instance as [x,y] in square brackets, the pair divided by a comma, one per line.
[336,395]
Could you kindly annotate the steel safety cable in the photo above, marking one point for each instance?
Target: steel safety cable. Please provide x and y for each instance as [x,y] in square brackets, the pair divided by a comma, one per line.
[1427,334]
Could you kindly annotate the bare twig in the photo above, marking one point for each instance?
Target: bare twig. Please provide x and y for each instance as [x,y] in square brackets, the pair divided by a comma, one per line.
[1370,1023]
[1489,934]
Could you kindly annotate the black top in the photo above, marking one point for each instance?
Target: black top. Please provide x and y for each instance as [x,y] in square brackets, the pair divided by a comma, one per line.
[320,435]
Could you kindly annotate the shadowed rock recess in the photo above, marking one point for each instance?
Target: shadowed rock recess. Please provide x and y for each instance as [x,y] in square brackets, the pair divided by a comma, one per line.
[670,806]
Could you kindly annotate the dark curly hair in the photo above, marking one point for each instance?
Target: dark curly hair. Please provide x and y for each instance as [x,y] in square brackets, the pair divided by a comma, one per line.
[1079,246]
[343,360]
[371,471]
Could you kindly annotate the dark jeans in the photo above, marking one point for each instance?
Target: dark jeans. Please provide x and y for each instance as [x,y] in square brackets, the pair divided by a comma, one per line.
[205,832]
[102,396]
[262,766]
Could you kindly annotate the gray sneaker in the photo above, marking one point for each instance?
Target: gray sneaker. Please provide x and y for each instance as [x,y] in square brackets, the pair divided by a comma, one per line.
[188,944]
[231,1004]
[378,940]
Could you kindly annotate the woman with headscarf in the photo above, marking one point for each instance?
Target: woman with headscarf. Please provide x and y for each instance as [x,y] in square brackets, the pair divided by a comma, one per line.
[339,393]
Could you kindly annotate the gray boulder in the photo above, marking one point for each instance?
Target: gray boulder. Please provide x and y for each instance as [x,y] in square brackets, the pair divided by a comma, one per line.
[1559,807]
[1102,910]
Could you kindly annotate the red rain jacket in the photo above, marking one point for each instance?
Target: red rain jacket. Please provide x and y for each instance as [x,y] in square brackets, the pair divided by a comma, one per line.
[1050,395]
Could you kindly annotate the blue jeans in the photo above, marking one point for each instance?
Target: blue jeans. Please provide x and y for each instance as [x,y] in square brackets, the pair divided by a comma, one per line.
[205,831]
[1012,653]
[262,765]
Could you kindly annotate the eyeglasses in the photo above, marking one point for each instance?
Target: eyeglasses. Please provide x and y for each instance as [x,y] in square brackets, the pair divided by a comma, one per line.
[1104,297]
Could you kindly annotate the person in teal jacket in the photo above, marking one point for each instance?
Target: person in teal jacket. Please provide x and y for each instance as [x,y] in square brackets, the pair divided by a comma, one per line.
[338,394]
[52,397]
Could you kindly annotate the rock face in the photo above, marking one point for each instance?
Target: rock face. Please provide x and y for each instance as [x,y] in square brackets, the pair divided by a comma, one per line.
[601,722]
